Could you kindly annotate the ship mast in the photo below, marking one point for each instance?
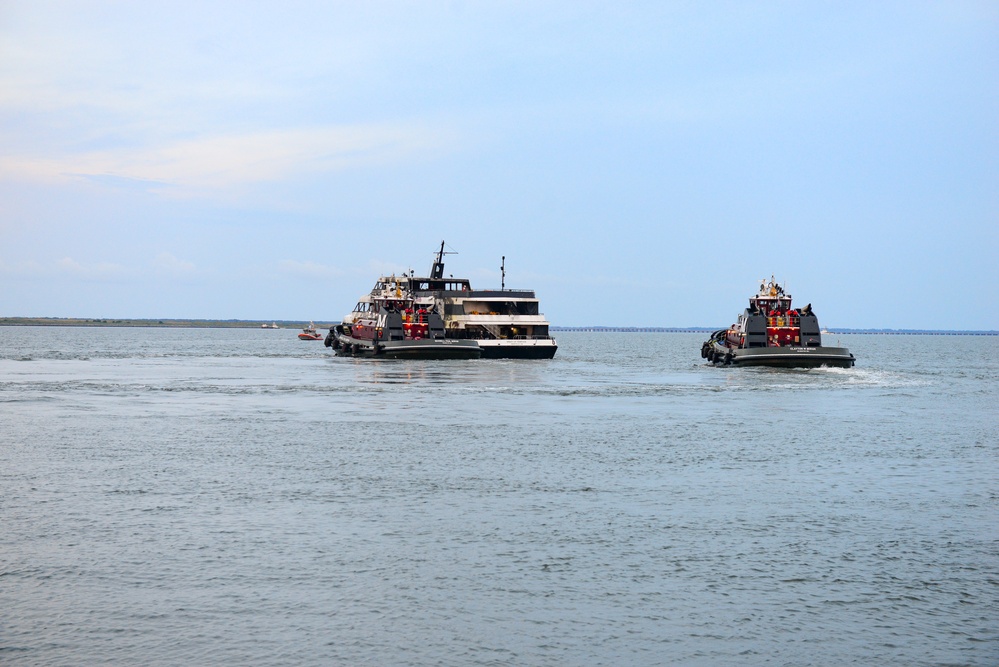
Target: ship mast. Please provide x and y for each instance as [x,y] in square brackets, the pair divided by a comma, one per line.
[437,271]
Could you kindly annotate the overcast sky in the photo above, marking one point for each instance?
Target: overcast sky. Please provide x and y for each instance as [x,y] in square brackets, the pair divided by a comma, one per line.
[638,163]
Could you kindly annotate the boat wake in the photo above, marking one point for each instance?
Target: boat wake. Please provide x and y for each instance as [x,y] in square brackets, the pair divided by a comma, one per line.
[825,377]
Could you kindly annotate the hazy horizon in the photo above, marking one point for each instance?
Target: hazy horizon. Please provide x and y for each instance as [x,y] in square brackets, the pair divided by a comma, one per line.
[256,321]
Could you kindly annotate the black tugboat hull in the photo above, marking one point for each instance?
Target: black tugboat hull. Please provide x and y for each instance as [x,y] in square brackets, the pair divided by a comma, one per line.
[782,357]
[427,348]
[531,349]
[441,349]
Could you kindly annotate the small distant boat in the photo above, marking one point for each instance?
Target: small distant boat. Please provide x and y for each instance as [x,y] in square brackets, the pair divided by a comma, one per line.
[772,333]
[310,333]
[272,325]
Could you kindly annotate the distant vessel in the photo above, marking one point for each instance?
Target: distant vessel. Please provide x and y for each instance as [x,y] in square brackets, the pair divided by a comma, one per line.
[310,333]
[771,333]
[272,325]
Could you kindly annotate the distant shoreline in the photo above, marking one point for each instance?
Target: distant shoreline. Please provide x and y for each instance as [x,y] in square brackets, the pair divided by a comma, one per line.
[293,324]
[158,323]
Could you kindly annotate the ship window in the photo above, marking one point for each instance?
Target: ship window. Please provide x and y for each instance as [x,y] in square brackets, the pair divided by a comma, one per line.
[527,308]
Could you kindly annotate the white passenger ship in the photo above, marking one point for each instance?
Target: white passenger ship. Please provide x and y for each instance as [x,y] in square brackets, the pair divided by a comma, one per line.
[504,323]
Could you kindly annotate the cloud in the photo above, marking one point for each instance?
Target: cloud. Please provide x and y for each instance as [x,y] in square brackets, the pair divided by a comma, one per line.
[123,183]
[164,263]
[316,270]
[90,271]
[384,268]
[308,269]
[23,269]
[67,266]
[200,166]
[167,263]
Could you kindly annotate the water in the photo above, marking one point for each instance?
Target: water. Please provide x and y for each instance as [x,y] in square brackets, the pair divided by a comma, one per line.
[184,496]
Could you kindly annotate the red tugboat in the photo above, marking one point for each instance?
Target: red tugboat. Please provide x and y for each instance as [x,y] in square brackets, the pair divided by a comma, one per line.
[393,323]
[772,333]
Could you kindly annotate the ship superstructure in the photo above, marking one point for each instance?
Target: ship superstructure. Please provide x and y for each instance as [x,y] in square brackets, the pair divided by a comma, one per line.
[506,323]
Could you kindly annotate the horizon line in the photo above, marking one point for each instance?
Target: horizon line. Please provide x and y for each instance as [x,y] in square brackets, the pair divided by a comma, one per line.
[179,322]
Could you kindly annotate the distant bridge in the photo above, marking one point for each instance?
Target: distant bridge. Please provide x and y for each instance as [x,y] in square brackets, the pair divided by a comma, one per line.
[883,332]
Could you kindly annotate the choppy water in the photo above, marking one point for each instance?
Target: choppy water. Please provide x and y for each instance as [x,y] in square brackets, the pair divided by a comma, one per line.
[176,496]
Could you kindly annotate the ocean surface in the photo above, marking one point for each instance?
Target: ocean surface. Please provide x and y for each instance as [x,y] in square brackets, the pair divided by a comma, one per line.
[238,496]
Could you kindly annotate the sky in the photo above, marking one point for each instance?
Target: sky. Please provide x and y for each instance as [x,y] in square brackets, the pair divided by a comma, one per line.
[637,163]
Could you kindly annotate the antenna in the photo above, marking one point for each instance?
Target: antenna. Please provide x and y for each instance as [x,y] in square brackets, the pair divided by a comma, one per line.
[503,274]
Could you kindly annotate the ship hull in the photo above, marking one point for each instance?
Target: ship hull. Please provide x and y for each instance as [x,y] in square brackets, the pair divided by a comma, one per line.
[427,348]
[782,357]
[518,349]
